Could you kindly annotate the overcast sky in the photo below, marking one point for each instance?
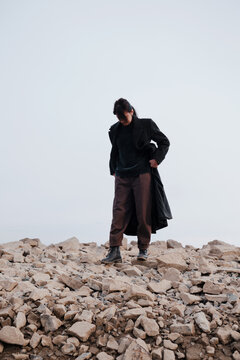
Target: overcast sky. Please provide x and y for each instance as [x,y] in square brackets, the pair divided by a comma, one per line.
[63,63]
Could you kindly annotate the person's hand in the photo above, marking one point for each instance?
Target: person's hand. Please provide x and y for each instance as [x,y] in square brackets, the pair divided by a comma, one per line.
[153,163]
[114,174]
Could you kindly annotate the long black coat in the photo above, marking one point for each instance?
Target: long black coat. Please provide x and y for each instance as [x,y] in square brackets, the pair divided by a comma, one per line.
[145,130]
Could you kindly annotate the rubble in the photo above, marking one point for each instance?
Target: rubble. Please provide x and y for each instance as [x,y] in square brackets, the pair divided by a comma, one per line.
[60,302]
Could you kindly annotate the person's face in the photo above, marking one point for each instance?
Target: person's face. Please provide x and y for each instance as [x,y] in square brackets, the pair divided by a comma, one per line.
[128,118]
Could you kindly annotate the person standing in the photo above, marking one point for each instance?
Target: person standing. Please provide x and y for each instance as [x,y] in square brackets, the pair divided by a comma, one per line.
[140,206]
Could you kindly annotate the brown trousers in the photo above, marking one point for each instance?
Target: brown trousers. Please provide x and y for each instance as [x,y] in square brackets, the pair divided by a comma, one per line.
[127,190]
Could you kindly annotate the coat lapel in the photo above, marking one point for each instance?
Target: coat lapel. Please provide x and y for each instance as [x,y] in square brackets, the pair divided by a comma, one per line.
[137,131]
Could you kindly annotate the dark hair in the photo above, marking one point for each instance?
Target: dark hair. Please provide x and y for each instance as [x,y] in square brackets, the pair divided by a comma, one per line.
[122,105]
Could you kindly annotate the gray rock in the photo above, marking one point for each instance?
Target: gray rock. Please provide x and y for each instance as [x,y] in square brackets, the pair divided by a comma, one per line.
[50,323]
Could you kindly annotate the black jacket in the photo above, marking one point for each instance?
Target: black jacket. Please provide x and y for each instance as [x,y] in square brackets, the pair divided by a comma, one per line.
[145,130]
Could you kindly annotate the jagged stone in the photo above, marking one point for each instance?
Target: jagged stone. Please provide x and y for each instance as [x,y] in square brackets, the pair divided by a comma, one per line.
[70,245]
[160,287]
[139,333]
[210,350]
[134,313]
[39,294]
[46,341]
[204,266]
[178,309]
[7,312]
[219,298]
[183,329]
[84,291]
[82,330]
[18,258]
[112,285]
[173,261]
[68,349]
[112,343]
[168,354]
[59,310]
[104,356]
[35,340]
[173,244]
[138,292]
[236,309]
[59,339]
[172,274]
[224,334]
[71,299]
[84,356]
[106,315]
[193,351]
[213,288]
[189,298]
[41,279]
[73,340]
[19,356]
[168,344]
[235,335]
[50,323]
[136,352]
[12,335]
[20,320]
[132,271]
[150,326]
[95,284]
[86,315]
[221,249]
[8,284]
[157,354]
[73,283]
[236,355]
[202,322]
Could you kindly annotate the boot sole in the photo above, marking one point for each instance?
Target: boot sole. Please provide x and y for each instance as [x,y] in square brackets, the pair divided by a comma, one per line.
[141,258]
[112,262]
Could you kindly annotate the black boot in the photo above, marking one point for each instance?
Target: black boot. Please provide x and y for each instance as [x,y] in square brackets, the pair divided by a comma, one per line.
[113,255]
[142,255]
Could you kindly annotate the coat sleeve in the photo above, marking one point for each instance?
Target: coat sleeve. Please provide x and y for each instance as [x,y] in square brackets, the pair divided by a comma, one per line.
[112,161]
[113,157]
[161,140]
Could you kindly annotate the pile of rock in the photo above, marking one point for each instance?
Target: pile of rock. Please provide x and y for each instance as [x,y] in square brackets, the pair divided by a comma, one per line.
[60,302]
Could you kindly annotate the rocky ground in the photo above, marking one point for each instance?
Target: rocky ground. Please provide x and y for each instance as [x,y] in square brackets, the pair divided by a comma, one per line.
[60,302]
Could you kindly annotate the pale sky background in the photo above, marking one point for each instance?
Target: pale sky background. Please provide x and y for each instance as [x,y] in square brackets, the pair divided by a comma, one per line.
[63,63]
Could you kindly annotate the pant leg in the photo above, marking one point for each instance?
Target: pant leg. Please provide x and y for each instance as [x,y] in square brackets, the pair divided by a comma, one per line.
[122,209]
[142,197]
